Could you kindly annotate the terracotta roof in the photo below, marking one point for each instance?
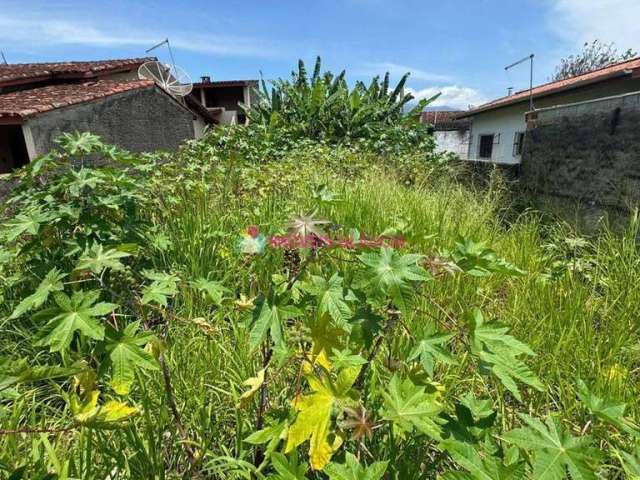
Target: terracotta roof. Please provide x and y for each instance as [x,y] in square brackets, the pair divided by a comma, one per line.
[27,103]
[227,83]
[445,119]
[18,73]
[599,75]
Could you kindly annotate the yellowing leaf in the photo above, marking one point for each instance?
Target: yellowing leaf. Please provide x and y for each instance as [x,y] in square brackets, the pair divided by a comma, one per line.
[314,415]
[254,384]
[88,413]
[84,409]
[114,411]
[244,303]
[313,422]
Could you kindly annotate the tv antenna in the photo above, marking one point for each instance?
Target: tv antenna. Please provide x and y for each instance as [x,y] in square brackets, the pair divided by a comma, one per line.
[171,78]
[4,59]
[530,58]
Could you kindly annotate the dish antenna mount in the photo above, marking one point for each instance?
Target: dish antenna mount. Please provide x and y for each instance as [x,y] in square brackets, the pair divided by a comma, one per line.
[171,78]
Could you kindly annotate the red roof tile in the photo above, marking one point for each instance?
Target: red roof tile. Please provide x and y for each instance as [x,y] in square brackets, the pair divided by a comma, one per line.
[18,73]
[438,116]
[445,119]
[26,103]
[594,76]
[226,83]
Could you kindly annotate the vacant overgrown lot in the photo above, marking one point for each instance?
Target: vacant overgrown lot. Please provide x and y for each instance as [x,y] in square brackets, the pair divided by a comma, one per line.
[227,312]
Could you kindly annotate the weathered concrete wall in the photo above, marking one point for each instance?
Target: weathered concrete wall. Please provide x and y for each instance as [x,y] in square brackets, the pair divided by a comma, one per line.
[455,141]
[138,120]
[588,151]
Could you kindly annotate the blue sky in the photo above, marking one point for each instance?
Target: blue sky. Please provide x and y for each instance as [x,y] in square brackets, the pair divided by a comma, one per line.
[457,47]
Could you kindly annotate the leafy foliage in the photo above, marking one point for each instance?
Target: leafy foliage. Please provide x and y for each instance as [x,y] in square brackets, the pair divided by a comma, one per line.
[128,305]
[80,312]
[554,450]
[499,352]
[594,55]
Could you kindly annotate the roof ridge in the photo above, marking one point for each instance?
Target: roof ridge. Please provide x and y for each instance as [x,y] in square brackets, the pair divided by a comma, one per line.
[77,62]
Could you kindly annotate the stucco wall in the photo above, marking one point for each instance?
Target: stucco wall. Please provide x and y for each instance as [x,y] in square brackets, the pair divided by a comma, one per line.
[506,121]
[455,141]
[589,151]
[503,125]
[138,120]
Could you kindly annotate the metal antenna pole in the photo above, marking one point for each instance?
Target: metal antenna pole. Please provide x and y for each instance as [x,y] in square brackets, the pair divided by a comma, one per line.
[4,59]
[165,42]
[530,58]
[157,45]
[531,84]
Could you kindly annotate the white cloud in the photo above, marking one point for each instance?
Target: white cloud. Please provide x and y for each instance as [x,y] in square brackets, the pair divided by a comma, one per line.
[579,21]
[34,32]
[452,96]
[396,71]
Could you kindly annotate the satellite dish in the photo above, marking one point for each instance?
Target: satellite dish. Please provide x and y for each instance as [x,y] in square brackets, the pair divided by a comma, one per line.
[174,80]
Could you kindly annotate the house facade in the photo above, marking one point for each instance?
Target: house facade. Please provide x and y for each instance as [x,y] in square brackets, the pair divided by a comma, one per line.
[223,99]
[39,102]
[498,128]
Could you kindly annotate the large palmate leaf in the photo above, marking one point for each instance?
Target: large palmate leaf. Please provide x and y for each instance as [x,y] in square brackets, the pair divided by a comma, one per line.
[330,295]
[126,353]
[52,282]
[499,352]
[352,470]
[555,450]
[482,467]
[269,316]
[409,406]
[430,349]
[313,421]
[391,275]
[606,410]
[97,259]
[212,290]
[162,287]
[476,259]
[28,222]
[78,313]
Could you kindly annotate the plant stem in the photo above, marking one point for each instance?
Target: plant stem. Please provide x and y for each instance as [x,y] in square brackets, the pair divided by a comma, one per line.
[174,409]
[267,352]
[35,430]
[394,317]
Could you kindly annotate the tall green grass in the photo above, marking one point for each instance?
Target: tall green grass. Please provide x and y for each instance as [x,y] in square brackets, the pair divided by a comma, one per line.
[576,306]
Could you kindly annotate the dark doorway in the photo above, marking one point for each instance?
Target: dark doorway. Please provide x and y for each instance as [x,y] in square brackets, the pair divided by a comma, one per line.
[13,149]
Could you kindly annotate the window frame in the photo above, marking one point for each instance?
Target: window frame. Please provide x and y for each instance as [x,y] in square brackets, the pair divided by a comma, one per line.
[493,142]
[518,143]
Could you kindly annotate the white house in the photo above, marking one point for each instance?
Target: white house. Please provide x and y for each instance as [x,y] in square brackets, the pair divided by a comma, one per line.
[498,127]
